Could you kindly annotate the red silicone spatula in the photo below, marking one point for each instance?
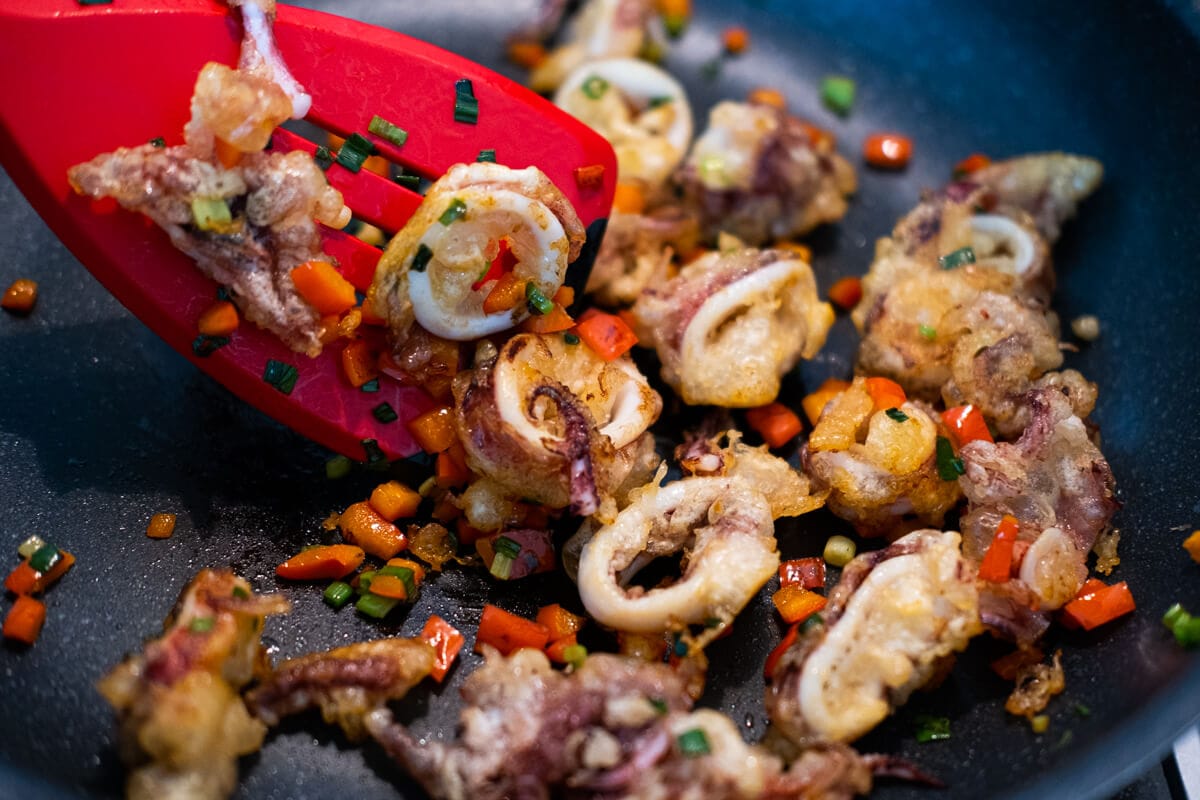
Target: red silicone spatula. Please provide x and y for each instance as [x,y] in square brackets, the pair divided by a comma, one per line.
[86,79]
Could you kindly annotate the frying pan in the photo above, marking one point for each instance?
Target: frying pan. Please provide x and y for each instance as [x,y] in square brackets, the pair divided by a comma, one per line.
[102,425]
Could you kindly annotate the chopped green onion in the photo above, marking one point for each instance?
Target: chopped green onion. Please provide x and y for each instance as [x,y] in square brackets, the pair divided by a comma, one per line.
[204,345]
[509,547]
[488,155]
[813,621]
[897,415]
[454,212]
[324,157]
[405,575]
[374,452]
[411,182]
[570,338]
[281,375]
[675,24]
[963,255]
[202,624]
[1183,625]
[693,743]
[661,100]
[680,648]
[711,70]
[364,580]
[712,168]
[355,151]
[538,303]
[224,295]
[659,704]
[1082,710]
[466,107]
[502,565]
[375,606]
[94,2]
[387,130]
[575,655]
[338,593]
[594,87]
[927,332]
[210,213]
[949,466]
[837,93]
[932,729]
[370,386]
[839,551]
[651,51]
[421,258]
[30,546]
[240,593]
[158,141]
[337,467]
[385,413]
[44,558]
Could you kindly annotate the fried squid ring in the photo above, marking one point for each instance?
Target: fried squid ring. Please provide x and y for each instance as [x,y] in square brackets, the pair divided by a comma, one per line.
[880,466]
[640,109]
[431,270]
[727,535]
[731,325]
[556,423]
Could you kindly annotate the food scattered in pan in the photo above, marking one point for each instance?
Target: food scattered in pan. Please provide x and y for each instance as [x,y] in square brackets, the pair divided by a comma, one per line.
[544,427]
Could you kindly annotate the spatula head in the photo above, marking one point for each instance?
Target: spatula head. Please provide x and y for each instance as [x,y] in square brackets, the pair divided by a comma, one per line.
[89,79]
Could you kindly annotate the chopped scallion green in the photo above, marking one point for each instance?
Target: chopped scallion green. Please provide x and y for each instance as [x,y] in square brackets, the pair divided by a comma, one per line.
[680,648]
[44,558]
[94,2]
[323,156]
[385,413]
[594,87]
[956,258]
[30,546]
[421,258]
[661,100]
[928,333]
[338,593]
[537,301]
[1082,710]
[693,743]
[949,466]
[337,467]
[575,655]
[281,375]
[711,70]
[387,130]
[158,141]
[659,704]
[570,338]
[411,182]
[370,386]
[502,565]
[466,106]
[488,155]
[202,624]
[932,729]
[211,213]
[375,606]
[897,415]
[839,551]
[813,621]
[406,577]
[240,593]
[837,93]
[454,212]
[509,547]
[375,454]
[1183,625]
[364,580]
[355,151]
[204,345]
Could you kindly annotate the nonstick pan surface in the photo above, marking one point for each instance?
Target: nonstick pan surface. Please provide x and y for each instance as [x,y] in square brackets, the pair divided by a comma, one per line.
[102,425]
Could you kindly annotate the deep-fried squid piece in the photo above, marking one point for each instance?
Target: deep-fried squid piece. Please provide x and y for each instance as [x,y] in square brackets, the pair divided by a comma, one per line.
[731,325]
[1059,487]
[429,272]
[556,423]
[616,727]
[345,683]
[892,619]
[725,533]
[246,226]
[602,29]
[182,723]
[641,110]
[757,174]
[880,466]
[636,252]
[788,491]
[915,307]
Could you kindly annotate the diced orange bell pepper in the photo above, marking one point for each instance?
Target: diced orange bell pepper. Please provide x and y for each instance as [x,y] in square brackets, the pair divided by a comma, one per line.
[972,163]
[815,402]
[507,294]
[846,292]
[322,563]
[161,526]
[361,525]
[25,619]
[556,649]
[996,566]
[446,642]
[767,96]
[887,150]
[23,579]
[559,621]
[1192,545]
[323,287]
[507,632]
[1097,604]
[788,640]
[966,424]
[775,422]
[609,336]
[219,319]
[885,393]
[451,467]
[557,320]
[735,40]
[20,296]
[629,198]
[434,430]
[226,153]
[393,500]
[526,54]
[359,363]
[796,604]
